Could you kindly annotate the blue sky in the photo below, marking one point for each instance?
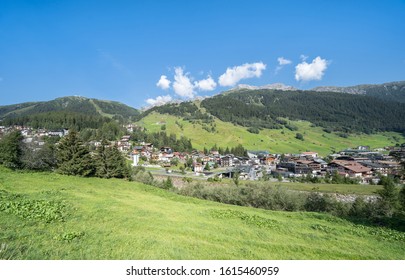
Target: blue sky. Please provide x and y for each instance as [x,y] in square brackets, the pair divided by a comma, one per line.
[150,52]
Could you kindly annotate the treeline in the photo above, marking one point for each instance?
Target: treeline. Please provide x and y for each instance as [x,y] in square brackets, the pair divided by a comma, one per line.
[161,139]
[333,111]
[58,120]
[187,110]
[181,110]
[238,150]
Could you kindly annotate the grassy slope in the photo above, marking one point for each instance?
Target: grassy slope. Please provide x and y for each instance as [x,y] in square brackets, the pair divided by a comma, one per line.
[99,110]
[272,140]
[126,220]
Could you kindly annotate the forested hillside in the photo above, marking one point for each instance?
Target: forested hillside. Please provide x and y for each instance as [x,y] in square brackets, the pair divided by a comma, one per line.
[258,109]
[333,111]
[73,111]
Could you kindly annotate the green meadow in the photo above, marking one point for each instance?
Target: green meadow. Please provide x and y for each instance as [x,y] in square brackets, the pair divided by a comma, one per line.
[272,140]
[50,216]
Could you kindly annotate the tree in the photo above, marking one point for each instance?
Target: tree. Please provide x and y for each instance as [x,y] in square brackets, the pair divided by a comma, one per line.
[299,136]
[109,161]
[388,197]
[235,178]
[401,198]
[73,157]
[168,183]
[11,149]
[207,167]
[42,158]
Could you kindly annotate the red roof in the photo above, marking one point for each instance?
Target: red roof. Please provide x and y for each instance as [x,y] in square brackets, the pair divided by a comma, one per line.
[352,166]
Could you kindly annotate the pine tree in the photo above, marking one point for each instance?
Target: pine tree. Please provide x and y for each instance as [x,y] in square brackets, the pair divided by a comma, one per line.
[388,200]
[402,198]
[110,163]
[11,149]
[117,163]
[73,157]
[101,160]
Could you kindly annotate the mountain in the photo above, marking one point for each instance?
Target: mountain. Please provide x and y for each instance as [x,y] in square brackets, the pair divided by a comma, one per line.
[394,91]
[66,111]
[271,109]
[277,86]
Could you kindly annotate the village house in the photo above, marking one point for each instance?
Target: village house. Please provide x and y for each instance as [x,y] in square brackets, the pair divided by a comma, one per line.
[135,158]
[308,155]
[198,167]
[227,161]
[349,169]
[298,168]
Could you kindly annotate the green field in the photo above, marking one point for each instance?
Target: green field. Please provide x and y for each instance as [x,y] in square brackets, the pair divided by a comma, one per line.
[272,140]
[50,216]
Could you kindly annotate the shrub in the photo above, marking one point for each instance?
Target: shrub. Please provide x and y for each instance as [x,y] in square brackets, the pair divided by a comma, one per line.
[299,136]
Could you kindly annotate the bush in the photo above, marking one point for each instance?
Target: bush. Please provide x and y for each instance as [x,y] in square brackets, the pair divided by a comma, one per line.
[254,130]
[299,136]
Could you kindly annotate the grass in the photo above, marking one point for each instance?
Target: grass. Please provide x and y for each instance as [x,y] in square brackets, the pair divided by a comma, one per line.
[116,219]
[273,140]
[334,188]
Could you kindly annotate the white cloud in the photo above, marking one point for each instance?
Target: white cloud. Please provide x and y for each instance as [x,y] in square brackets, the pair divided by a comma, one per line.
[160,100]
[233,75]
[303,57]
[182,85]
[311,71]
[163,82]
[207,84]
[282,61]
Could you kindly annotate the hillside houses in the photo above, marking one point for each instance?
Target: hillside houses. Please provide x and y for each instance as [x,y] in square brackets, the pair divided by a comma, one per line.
[359,163]
[350,169]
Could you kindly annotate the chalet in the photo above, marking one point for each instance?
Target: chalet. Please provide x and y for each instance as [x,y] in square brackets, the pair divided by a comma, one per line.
[131,127]
[269,160]
[147,146]
[309,154]
[392,167]
[323,163]
[124,146]
[55,133]
[198,168]
[227,161]
[295,167]
[165,157]
[349,168]
[313,165]
[167,150]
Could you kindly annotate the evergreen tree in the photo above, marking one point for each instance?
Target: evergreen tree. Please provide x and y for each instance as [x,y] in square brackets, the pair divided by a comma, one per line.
[168,183]
[101,160]
[117,163]
[73,157]
[402,198]
[109,161]
[11,149]
[388,197]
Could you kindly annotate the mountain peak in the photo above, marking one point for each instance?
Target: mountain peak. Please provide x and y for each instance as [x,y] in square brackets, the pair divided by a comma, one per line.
[276,86]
